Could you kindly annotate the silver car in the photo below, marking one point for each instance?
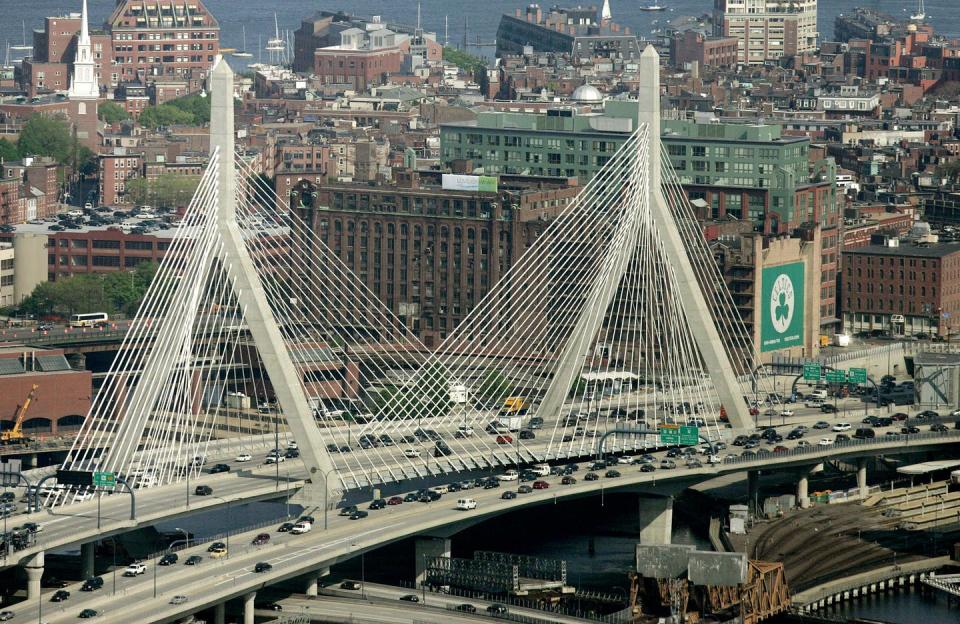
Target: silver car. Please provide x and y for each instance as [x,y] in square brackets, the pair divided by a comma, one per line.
[178,599]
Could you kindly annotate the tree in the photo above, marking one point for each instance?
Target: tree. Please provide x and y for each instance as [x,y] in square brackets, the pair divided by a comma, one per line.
[494,386]
[87,164]
[111,113]
[8,151]
[46,136]
[196,105]
[167,191]
[117,292]
[191,110]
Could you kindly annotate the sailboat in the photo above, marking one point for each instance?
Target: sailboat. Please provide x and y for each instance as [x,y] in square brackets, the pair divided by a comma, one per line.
[920,14]
[242,52]
[276,46]
[653,7]
[25,47]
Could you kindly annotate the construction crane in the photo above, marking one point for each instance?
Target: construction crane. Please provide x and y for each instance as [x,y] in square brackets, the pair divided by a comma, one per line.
[15,435]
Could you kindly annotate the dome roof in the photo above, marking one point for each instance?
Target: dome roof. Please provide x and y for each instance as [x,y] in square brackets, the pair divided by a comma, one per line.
[587,94]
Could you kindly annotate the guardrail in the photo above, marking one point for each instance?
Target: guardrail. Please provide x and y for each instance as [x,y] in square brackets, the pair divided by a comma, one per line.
[217,537]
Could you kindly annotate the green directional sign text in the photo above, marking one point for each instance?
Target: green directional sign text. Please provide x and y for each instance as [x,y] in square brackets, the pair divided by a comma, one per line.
[689,435]
[858,375]
[836,376]
[811,371]
[669,434]
[104,479]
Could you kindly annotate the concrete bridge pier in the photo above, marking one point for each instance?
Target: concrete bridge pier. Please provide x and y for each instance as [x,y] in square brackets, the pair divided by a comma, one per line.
[28,461]
[426,548]
[862,477]
[34,569]
[87,560]
[313,581]
[220,613]
[248,601]
[656,519]
[803,490]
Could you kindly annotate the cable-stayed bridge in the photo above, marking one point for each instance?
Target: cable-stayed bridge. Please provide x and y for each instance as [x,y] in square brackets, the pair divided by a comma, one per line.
[615,318]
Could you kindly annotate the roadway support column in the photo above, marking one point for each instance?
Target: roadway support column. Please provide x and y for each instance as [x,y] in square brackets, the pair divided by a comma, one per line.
[87,560]
[220,613]
[753,490]
[34,569]
[313,581]
[803,490]
[248,601]
[862,477]
[656,520]
[425,549]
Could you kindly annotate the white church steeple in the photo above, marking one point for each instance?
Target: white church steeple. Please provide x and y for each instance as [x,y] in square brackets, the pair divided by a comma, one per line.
[84,84]
[605,14]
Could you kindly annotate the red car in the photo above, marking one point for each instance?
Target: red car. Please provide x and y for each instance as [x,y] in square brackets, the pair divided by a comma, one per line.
[261,539]
[780,449]
[504,439]
[540,485]
[395,500]
[899,416]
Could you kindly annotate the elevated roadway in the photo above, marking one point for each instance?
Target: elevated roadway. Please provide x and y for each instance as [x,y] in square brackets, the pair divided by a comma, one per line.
[215,581]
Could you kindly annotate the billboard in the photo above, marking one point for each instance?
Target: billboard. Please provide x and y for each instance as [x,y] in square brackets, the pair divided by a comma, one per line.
[456,182]
[781,307]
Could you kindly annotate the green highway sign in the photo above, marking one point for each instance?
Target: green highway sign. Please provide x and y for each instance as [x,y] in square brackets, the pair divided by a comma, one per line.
[858,375]
[690,436]
[811,372]
[669,434]
[836,376]
[676,434]
[104,479]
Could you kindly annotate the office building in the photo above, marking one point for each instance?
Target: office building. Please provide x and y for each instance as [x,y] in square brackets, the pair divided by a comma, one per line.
[767,30]
[582,32]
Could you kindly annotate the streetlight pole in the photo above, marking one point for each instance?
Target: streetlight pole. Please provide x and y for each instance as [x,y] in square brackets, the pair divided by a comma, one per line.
[186,536]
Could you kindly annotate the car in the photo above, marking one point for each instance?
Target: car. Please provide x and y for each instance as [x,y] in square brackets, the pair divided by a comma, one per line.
[410,598]
[526,434]
[60,595]
[802,443]
[168,559]
[268,606]
[203,490]
[216,468]
[568,480]
[497,609]
[825,442]
[92,584]
[508,495]
[261,539]
[938,427]
[135,569]
[828,408]
[179,599]
[285,527]
[32,527]
[612,474]
[667,464]
[274,459]
[219,552]
[359,515]
[193,560]
[348,510]
[841,437]
[377,503]
[927,414]
[309,519]
[243,457]
[510,475]
[411,497]
[524,489]
[540,485]
[591,476]
[466,608]
[88,613]
[350,585]
[910,429]
[411,453]
[304,527]
[6,615]
[900,416]
[841,426]
[395,500]
[262,566]
[291,453]
[647,468]
[504,439]
[787,413]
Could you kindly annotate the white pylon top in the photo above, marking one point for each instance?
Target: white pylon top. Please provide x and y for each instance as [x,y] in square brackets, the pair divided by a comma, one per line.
[605,14]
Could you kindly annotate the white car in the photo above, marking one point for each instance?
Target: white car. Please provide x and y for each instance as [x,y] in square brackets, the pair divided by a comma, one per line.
[787,413]
[292,444]
[466,504]
[244,457]
[135,569]
[465,430]
[841,427]
[626,460]
[301,527]
[801,443]
[411,452]
[825,442]
[510,475]
[275,459]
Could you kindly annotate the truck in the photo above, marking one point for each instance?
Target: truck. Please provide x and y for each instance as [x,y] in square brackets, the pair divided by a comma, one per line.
[841,340]
[514,406]
[511,423]
[15,434]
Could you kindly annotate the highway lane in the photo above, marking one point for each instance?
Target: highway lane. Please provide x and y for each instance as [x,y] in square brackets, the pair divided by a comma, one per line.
[346,610]
[291,555]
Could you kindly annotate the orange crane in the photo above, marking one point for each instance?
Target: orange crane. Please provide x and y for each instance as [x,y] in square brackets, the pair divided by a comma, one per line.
[15,435]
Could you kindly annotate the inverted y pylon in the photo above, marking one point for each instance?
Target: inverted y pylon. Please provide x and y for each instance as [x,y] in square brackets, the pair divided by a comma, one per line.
[283,375]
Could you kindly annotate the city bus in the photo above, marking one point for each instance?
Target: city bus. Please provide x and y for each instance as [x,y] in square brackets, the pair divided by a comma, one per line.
[91,319]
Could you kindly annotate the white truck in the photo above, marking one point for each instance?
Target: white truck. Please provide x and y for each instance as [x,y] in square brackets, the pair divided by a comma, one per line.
[512,423]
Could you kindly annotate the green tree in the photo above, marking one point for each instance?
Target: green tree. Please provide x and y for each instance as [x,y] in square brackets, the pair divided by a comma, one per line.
[167,191]
[494,385]
[165,115]
[46,136]
[87,164]
[117,292]
[196,105]
[464,60]
[8,151]
[111,113]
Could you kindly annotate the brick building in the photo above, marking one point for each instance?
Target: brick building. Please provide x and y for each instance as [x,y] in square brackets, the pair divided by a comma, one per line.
[689,46]
[62,397]
[429,254]
[906,289]
[115,171]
